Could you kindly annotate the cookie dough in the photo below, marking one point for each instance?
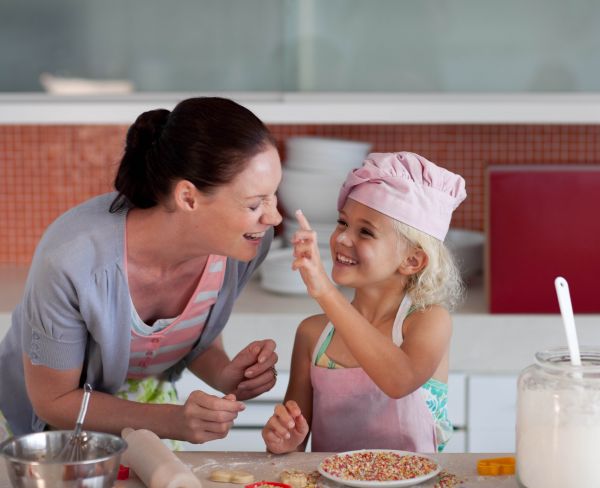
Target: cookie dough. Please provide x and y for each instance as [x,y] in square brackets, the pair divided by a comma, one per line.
[294,478]
[231,476]
[221,475]
[241,477]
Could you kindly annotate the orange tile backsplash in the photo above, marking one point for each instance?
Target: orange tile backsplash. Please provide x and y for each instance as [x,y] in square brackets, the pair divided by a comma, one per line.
[46,169]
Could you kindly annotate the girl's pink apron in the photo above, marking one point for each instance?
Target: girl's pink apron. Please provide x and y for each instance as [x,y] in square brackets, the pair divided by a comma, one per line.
[350,411]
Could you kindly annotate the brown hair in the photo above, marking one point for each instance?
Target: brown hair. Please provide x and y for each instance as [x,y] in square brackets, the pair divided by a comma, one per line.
[205,140]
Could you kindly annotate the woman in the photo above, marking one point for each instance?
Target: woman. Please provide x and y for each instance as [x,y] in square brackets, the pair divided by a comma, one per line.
[128,288]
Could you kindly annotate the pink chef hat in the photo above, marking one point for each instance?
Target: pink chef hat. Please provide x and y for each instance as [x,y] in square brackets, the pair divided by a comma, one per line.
[408,188]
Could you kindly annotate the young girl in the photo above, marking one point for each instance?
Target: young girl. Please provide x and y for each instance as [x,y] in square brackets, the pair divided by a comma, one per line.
[372,373]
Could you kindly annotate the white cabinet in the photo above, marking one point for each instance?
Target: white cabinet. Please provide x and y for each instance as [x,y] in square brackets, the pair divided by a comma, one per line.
[457,412]
[236,440]
[457,443]
[491,407]
[457,399]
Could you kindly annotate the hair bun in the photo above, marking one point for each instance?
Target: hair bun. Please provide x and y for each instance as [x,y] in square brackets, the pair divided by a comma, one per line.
[146,129]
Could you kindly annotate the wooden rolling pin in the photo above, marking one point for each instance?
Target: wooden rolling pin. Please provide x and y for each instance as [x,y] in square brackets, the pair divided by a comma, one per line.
[154,463]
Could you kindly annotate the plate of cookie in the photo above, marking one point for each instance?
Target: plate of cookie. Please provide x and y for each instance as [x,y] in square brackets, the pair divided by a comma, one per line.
[371,468]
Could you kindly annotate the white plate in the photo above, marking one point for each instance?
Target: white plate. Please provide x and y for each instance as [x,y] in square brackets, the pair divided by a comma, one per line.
[382,484]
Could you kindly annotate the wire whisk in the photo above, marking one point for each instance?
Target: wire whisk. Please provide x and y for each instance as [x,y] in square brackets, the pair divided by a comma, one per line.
[74,448]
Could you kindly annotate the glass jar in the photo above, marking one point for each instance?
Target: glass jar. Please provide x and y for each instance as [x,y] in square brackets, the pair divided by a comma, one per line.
[558,421]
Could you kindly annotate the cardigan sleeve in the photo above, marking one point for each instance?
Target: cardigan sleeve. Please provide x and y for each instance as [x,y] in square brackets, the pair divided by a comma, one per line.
[53,331]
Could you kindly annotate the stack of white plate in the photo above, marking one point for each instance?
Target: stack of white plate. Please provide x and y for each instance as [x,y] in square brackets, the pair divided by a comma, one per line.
[323,155]
[313,172]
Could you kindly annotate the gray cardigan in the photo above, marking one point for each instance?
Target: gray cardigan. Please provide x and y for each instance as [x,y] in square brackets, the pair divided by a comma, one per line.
[76,308]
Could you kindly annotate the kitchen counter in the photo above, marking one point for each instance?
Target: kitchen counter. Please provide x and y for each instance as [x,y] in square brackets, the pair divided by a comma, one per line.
[267,467]
[318,108]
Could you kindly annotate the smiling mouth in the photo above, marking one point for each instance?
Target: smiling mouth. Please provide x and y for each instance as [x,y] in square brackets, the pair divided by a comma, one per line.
[254,236]
[340,258]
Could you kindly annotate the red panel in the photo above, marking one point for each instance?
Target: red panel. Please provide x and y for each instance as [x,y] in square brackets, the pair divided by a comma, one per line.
[543,223]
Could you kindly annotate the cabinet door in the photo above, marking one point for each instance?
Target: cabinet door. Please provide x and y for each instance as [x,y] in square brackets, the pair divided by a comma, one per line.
[189,382]
[457,443]
[492,403]
[457,399]
[236,440]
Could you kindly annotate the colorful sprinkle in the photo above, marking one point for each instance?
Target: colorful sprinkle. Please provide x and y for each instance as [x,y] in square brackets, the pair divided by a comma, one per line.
[447,480]
[377,466]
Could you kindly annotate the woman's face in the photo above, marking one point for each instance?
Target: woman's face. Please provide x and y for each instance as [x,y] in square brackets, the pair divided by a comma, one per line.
[365,247]
[233,220]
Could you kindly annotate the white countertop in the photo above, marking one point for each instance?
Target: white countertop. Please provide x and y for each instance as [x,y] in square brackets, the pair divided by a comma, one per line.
[318,108]
[481,342]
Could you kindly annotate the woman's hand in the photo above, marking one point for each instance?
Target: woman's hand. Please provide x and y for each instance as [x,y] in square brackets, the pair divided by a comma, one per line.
[286,429]
[207,417]
[252,371]
[307,259]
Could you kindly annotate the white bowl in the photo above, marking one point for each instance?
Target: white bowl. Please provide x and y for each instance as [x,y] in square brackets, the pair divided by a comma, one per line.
[277,275]
[320,164]
[325,155]
[467,248]
[316,194]
[290,226]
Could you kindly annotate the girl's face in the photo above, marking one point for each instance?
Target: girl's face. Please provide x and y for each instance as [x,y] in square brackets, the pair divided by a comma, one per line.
[366,249]
[233,220]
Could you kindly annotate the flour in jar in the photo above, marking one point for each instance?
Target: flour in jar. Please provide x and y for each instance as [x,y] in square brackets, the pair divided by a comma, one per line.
[557,438]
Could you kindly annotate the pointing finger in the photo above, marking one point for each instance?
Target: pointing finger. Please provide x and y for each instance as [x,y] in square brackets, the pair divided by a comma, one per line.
[304,225]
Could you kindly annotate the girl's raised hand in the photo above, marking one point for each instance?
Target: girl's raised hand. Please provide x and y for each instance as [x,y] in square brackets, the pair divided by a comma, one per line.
[307,259]
[286,429]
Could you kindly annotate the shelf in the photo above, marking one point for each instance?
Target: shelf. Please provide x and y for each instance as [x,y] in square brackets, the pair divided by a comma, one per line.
[317,108]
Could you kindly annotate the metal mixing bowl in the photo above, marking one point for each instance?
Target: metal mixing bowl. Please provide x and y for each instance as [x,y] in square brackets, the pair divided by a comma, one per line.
[29,460]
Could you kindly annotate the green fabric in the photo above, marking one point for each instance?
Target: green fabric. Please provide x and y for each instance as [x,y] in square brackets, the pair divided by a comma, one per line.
[151,390]
[331,364]
[148,390]
[436,394]
[5,431]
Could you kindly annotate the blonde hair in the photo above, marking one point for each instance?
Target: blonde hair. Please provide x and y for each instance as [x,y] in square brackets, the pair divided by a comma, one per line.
[439,282]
